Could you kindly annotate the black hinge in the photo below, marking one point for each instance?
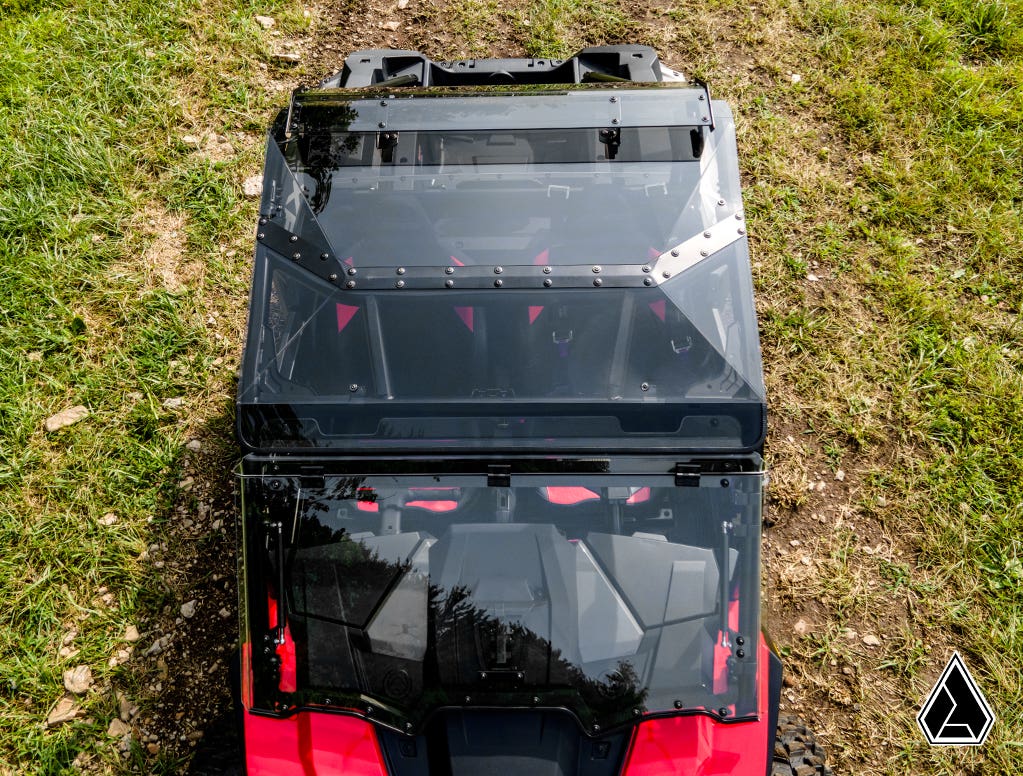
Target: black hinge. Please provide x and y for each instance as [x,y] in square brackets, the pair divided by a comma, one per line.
[687,475]
[498,476]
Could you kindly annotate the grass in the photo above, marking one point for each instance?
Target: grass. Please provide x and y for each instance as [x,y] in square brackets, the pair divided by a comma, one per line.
[888,170]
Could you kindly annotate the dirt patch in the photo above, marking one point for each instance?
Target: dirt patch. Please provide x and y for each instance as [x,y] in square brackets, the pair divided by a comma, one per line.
[164,263]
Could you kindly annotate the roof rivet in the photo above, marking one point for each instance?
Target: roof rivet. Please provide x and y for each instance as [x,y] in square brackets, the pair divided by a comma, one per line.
[644,386]
[596,728]
[263,219]
[678,704]
[352,270]
[547,270]
[468,699]
[449,283]
[704,254]
[614,99]
[741,230]
[498,283]
[498,270]
[547,282]
[674,252]
[296,256]
[738,216]
[596,269]
[293,238]
[350,284]
[721,202]
[353,387]
[636,712]
[401,270]
[614,121]
[701,98]
[383,124]
[648,281]
[704,119]
[332,277]
[666,274]
[598,282]
[449,270]
[324,256]
[383,103]
[400,284]
[260,236]
[646,267]
[707,235]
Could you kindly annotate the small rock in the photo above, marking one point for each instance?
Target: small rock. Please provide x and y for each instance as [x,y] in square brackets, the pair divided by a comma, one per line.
[253,187]
[795,543]
[194,445]
[188,609]
[266,22]
[847,670]
[216,525]
[173,403]
[65,418]
[192,140]
[849,634]
[34,355]
[153,748]
[224,613]
[158,646]
[795,78]
[108,519]
[65,711]
[78,679]
[67,653]
[840,475]
[801,628]
[402,5]
[288,57]
[161,668]
[131,634]
[117,728]
[69,637]
[391,25]
[871,640]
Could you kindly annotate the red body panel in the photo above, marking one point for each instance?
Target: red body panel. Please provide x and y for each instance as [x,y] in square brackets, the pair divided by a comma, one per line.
[697,745]
[321,744]
[312,744]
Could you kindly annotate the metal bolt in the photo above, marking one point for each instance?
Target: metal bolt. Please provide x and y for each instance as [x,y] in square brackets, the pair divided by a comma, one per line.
[701,98]
[705,119]
[260,236]
[547,270]
[449,270]
[614,99]
[648,282]
[596,728]
[723,711]
[263,219]
[724,483]
[332,277]
[369,710]
[536,699]
[738,216]
[351,270]
[324,256]
[483,674]
[646,268]
[740,653]
[382,124]
[635,712]
[408,727]
[350,284]
[401,270]
[740,640]
[383,103]
[400,284]
[519,675]
[741,231]
[614,121]
[296,256]
[678,704]
[705,254]
[353,387]
[498,283]
[666,274]
[548,282]
[674,252]
[595,269]
[598,282]
[468,699]
[449,283]
[498,270]
[644,386]
[721,202]
[707,235]
[293,238]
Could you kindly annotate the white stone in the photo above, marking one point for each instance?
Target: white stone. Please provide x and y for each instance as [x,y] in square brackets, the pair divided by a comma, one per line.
[78,679]
[65,418]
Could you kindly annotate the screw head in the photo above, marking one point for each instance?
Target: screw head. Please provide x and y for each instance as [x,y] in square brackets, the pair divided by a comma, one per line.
[740,653]
[382,124]
[704,119]
[614,99]
[353,387]
[704,254]
[498,270]
[674,252]
[707,235]
[701,98]
[678,704]
[548,282]
[598,282]
[468,699]
[723,711]
[498,283]
[296,256]
[547,269]
[644,386]
[614,121]
[400,284]
[646,268]
[350,284]
[263,219]
[595,269]
[636,712]
[648,282]
[721,202]
[666,274]
[449,283]
[351,270]
[740,640]
[260,236]
[324,256]
[536,699]
[383,103]
[724,483]
[293,238]
[332,277]
[740,230]
[401,270]
[449,270]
